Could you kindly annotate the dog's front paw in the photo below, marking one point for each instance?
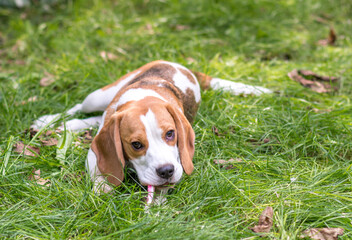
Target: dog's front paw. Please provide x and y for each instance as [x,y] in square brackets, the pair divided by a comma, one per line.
[100,188]
[80,124]
[44,121]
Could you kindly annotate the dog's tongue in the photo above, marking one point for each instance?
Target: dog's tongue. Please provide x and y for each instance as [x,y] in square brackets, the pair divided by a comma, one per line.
[151,190]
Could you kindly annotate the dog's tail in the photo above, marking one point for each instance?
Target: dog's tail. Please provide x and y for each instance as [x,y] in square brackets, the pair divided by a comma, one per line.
[207,82]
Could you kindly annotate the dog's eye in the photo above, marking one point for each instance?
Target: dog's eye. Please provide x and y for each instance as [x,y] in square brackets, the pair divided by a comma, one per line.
[137,145]
[170,135]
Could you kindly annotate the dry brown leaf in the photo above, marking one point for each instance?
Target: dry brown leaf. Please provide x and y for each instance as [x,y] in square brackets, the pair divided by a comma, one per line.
[265,221]
[36,177]
[47,79]
[87,137]
[316,110]
[323,233]
[320,19]
[32,132]
[26,150]
[331,40]
[31,99]
[16,62]
[149,28]
[23,15]
[77,176]
[297,75]
[50,142]
[181,27]
[190,60]
[260,142]
[19,46]
[317,77]
[108,56]
[215,131]
[227,164]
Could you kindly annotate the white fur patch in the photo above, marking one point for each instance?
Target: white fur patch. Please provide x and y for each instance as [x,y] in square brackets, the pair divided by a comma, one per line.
[158,154]
[102,122]
[99,99]
[100,184]
[46,119]
[79,124]
[237,88]
[183,83]
[91,163]
[136,94]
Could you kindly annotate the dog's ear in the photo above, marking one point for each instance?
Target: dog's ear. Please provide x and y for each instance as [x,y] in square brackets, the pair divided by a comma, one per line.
[185,139]
[107,146]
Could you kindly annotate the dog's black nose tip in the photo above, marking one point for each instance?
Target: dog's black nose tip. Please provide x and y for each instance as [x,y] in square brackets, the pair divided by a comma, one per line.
[166,171]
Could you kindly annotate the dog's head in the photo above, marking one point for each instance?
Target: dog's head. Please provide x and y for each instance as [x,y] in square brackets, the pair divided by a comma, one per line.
[153,135]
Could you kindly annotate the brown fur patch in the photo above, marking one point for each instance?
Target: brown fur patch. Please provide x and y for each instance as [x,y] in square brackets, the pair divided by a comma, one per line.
[188,74]
[190,106]
[141,69]
[203,79]
[159,70]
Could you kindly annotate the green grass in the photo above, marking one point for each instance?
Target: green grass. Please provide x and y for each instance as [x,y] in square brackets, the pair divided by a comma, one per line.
[295,159]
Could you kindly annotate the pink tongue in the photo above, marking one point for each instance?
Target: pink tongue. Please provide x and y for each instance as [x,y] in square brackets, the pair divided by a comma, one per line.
[150,194]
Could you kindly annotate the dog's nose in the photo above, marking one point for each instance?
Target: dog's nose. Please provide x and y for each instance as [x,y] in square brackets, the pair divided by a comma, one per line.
[165,171]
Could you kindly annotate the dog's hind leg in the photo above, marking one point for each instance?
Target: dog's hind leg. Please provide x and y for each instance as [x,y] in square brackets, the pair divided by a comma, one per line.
[234,88]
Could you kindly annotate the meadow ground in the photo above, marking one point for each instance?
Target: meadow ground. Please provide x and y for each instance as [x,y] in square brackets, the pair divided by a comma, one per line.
[295,145]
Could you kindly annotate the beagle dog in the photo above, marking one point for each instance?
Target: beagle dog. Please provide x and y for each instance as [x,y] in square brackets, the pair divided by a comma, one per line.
[146,122]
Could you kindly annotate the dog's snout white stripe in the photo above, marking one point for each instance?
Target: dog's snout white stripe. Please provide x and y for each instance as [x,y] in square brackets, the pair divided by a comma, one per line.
[158,154]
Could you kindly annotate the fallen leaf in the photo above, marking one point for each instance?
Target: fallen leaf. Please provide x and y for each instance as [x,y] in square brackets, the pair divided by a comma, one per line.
[36,177]
[23,16]
[31,99]
[323,233]
[108,56]
[221,134]
[316,110]
[331,40]
[26,150]
[314,85]
[87,137]
[227,164]
[32,132]
[215,130]
[50,142]
[259,142]
[321,19]
[317,77]
[149,28]
[265,221]
[190,60]
[17,62]
[19,46]
[47,79]
[181,27]
[76,176]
